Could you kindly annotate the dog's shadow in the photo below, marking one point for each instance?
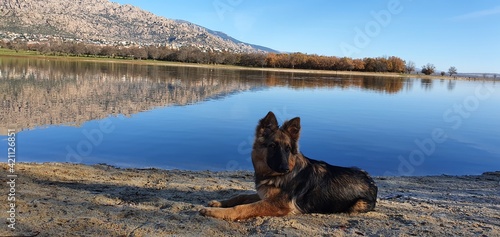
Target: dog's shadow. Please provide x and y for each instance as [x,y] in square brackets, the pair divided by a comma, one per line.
[139,195]
[121,204]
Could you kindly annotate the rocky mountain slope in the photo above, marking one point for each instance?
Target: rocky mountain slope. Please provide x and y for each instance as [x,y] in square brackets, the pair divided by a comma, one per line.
[105,21]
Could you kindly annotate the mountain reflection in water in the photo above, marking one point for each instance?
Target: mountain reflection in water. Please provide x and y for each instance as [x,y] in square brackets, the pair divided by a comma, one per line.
[39,92]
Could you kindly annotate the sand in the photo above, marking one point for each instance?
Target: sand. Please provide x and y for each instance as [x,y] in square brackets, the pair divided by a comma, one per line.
[59,199]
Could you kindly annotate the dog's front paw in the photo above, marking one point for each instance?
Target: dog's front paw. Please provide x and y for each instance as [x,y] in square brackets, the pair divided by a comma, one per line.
[205,212]
[212,212]
[219,213]
[214,203]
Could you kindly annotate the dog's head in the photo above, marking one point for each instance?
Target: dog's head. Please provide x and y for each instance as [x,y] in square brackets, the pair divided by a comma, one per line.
[275,147]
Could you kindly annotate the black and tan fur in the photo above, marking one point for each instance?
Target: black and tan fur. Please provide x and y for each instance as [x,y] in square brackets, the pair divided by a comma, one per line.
[287,182]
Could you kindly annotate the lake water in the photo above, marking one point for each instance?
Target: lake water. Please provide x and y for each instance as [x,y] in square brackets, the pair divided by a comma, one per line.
[131,115]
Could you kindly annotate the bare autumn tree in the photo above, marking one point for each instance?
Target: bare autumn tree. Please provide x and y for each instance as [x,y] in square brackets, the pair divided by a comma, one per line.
[92,49]
[230,58]
[165,54]
[297,59]
[283,60]
[396,64]
[312,62]
[272,60]
[189,54]
[196,55]
[44,48]
[18,46]
[381,64]
[410,67]
[369,64]
[77,49]
[345,64]
[359,64]
[332,63]
[153,52]
[428,69]
[252,59]
[109,51]
[452,70]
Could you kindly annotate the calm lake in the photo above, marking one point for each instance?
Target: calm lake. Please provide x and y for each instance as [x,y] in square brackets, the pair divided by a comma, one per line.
[140,116]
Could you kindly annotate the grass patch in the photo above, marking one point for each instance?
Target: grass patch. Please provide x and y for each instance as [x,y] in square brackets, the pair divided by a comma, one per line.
[10,52]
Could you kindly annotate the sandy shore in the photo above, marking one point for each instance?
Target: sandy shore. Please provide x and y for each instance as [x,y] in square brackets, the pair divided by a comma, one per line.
[55,199]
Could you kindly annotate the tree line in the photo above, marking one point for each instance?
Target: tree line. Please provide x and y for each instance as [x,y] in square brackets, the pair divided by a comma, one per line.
[191,54]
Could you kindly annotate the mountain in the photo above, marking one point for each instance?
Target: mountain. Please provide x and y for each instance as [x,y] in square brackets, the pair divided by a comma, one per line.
[105,21]
[227,37]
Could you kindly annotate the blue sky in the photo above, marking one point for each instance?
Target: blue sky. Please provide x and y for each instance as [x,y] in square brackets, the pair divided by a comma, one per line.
[464,34]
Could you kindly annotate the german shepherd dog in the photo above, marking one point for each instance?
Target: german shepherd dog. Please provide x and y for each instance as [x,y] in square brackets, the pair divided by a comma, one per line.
[287,182]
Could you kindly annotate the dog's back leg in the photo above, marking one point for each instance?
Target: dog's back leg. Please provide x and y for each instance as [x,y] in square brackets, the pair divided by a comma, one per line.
[238,200]
[361,206]
[245,211]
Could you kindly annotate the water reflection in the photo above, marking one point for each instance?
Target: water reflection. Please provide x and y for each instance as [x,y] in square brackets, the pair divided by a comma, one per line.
[37,92]
[426,84]
[41,92]
[369,122]
[297,80]
[451,84]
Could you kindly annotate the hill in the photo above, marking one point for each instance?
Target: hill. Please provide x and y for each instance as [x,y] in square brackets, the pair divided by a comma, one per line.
[107,22]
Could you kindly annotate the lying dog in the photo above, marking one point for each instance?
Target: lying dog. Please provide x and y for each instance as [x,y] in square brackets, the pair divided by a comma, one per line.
[287,182]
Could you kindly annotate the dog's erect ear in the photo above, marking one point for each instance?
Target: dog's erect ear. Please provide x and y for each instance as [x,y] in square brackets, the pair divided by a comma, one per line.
[292,127]
[267,125]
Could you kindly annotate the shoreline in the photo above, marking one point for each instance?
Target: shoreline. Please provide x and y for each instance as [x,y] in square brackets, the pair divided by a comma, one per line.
[28,54]
[55,199]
